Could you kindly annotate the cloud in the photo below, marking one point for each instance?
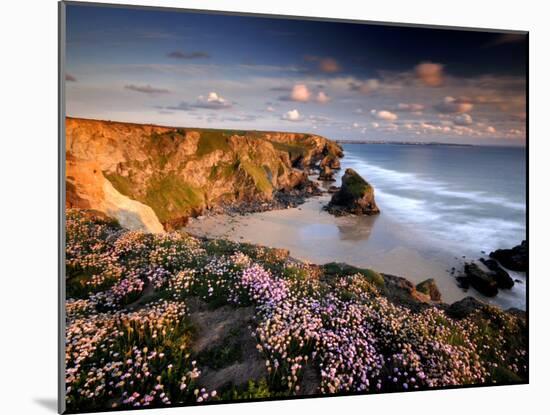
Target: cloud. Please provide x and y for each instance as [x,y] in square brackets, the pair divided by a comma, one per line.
[384,115]
[212,101]
[505,39]
[299,93]
[69,77]
[430,74]
[326,64]
[270,108]
[322,97]
[146,89]
[412,107]
[463,119]
[491,129]
[178,54]
[319,118]
[292,115]
[329,65]
[365,87]
[452,105]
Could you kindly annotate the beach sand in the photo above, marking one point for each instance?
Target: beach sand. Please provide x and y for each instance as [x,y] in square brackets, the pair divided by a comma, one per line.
[375,242]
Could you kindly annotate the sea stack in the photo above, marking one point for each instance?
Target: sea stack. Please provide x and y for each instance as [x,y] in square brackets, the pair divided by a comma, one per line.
[356,196]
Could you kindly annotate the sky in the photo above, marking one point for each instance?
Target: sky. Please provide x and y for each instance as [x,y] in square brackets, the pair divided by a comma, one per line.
[341,80]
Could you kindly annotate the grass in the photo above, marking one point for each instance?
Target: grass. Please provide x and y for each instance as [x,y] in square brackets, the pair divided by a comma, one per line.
[356,185]
[170,194]
[223,170]
[212,140]
[252,390]
[121,183]
[333,269]
[294,150]
[258,175]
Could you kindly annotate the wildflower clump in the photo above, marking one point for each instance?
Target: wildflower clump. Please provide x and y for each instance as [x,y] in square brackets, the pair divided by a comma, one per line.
[130,336]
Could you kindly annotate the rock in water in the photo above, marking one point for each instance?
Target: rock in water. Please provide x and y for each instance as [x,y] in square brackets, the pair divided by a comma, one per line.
[482,281]
[516,259]
[355,196]
[502,278]
[429,287]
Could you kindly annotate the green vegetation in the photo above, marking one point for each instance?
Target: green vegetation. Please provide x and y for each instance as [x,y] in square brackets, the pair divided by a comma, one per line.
[258,175]
[307,320]
[294,150]
[121,183]
[212,140]
[333,269]
[252,390]
[356,185]
[170,194]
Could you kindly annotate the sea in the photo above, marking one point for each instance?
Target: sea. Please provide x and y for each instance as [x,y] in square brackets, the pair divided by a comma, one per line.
[466,199]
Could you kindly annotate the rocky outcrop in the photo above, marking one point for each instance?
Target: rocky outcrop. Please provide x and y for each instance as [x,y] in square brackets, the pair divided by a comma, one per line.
[482,281]
[515,259]
[326,174]
[429,287]
[179,173]
[330,161]
[88,188]
[502,278]
[356,196]
[463,308]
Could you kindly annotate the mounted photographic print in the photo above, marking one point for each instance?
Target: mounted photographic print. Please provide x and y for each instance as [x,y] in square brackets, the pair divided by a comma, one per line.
[259,207]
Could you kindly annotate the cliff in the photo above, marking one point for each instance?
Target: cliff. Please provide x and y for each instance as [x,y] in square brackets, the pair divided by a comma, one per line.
[152,177]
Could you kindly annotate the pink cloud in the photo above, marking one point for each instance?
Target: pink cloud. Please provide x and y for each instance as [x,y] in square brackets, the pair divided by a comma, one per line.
[430,74]
[300,93]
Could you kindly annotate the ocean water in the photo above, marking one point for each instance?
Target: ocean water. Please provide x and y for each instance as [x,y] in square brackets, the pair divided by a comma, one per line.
[465,199]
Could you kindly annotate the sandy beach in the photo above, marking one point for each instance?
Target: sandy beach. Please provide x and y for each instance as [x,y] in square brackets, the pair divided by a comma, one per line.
[376,242]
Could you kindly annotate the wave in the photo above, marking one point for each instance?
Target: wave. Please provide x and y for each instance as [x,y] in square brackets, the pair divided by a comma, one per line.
[411,181]
[471,220]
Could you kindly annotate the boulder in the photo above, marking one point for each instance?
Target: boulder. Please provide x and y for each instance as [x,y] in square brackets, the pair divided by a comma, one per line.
[464,307]
[482,281]
[502,278]
[515,259]
[333,189]
[429,287]
[356,196]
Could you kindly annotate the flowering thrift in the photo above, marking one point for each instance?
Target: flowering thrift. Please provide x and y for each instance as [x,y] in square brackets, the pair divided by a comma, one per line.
[129,342]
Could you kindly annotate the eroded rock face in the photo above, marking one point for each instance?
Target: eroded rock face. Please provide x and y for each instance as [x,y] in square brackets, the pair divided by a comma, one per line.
[356,196]
[326,175]
[179,173]
[515,259]
[429,287]
[87,188]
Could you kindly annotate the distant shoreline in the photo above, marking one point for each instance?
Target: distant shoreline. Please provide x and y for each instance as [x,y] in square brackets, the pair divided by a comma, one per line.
[403,143]
[428,144]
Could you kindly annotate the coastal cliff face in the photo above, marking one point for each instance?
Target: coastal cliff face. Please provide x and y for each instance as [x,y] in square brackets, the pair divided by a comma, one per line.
[152,177]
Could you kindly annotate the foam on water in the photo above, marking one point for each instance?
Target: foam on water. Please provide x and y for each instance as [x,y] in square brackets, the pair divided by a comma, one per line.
[466,220]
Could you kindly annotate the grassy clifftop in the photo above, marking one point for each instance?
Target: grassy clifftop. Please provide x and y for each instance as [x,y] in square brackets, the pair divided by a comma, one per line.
[180,172]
